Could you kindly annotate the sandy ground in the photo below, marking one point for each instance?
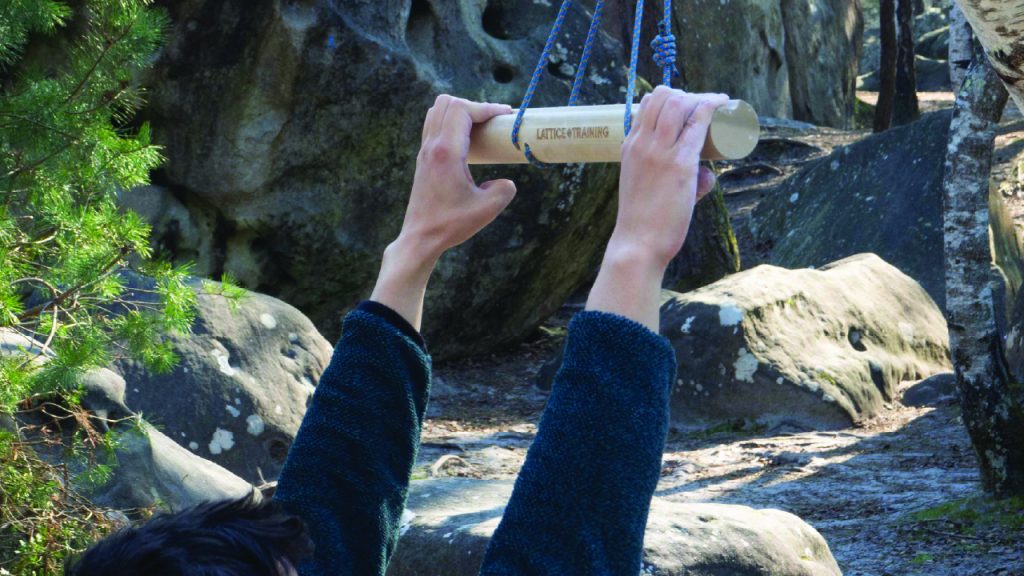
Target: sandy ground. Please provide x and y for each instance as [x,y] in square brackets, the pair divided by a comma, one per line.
[860,487]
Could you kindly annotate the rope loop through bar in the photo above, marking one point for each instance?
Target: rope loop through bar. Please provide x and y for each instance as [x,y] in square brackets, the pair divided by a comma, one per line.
[664,46]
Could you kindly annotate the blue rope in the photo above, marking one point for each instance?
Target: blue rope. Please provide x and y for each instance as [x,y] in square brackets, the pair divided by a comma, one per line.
[633,56]
[595,23]
[664,46]
[535,80]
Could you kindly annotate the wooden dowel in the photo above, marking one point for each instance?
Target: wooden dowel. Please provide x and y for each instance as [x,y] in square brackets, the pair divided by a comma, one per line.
[595,134]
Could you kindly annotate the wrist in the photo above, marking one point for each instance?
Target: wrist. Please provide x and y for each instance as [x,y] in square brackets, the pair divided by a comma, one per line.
[404,272]
[635,256]
[629,283]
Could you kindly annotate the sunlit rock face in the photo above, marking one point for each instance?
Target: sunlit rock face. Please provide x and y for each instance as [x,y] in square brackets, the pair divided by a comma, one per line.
[291,131]
[814,349]
[789,58]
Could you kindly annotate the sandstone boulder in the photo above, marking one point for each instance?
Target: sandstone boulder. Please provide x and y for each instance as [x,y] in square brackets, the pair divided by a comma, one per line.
[238,395]
[823,39]
[817,349]
[883,195]
[293,129]
[146,468]
[153,470]
[789,58]
[931,391]
[449,522]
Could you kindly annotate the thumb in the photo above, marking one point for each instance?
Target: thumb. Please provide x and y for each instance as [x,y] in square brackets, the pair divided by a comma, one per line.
[706,181]
[501,192]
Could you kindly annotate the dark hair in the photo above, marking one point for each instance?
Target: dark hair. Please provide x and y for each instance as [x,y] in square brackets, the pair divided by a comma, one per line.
[250,536]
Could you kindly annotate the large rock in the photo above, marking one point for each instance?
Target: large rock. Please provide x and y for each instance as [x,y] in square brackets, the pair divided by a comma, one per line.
[823,39]
[751,65]
[153,470]
[239,393]
[819,349]
[147,468]
[789,58]
[931,75]
[883,195]
[451,520]
[294,126]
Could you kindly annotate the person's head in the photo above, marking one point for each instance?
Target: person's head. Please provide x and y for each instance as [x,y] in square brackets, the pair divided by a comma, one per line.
[245,537]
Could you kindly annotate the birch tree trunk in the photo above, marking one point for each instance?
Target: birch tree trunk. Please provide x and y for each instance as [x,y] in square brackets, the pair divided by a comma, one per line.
[999,25]
[961,46]
[994,420]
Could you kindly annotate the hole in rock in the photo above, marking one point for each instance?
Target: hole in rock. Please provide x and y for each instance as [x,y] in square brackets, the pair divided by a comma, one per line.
[856,338]
[419,29]
[503,73]
[558,70]
[278,450]
[506,20]
[494,21]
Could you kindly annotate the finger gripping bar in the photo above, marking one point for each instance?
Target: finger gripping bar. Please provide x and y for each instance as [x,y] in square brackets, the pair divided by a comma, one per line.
[595,134]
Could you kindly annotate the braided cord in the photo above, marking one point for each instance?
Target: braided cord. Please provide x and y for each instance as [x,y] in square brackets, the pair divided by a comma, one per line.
[664,46]
[588,46]
[634,55]
[535,80]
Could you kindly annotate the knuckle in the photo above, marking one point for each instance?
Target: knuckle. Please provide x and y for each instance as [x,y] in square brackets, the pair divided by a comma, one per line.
[438,152]
[675,104]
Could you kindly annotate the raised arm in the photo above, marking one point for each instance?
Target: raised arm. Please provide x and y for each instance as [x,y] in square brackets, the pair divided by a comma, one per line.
[347,473]
[581,500]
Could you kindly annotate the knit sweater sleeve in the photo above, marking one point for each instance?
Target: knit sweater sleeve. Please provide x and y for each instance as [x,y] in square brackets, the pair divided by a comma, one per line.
[581,500]
[347,473]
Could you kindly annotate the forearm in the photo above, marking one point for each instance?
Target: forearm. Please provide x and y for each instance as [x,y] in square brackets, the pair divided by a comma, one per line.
[580,503]
[404,272]
[629,283]
[348,469]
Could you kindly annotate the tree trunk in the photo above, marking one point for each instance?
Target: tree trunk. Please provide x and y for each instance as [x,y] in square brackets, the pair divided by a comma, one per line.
[994,420]
[905,109]
[886,66]
[961,46]
[1000,28]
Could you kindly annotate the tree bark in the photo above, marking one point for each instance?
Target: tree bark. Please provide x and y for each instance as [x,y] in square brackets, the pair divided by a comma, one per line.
[905,108]
[1000,28]
[961,46]
[886,66]
[994,420]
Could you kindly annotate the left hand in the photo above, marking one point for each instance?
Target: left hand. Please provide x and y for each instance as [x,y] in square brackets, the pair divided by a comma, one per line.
[446,206]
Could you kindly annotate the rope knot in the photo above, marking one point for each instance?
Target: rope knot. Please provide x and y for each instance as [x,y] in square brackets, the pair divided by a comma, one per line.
[664,46]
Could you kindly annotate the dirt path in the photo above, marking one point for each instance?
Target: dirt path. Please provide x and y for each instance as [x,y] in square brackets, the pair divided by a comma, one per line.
[861,487]
[872,491]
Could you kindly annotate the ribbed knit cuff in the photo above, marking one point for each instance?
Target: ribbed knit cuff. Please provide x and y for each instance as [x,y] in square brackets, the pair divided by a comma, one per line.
[394,318]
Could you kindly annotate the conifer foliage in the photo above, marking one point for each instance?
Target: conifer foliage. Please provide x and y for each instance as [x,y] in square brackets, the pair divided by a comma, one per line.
[68,147]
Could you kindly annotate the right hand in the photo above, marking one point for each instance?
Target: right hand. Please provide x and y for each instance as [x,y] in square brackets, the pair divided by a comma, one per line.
[661,178]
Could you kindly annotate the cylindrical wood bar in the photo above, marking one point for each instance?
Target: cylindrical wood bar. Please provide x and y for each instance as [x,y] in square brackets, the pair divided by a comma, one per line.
[596,133]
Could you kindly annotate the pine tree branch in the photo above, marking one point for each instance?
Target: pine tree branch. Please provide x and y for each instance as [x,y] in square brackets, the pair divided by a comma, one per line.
[60,298]
[35,122]
[110,44]
[35,164]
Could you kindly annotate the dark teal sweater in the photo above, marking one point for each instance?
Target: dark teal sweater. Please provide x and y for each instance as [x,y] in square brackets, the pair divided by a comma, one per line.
[581,500]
